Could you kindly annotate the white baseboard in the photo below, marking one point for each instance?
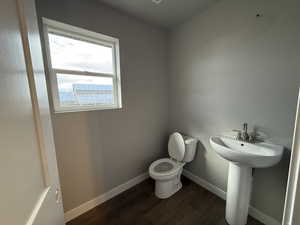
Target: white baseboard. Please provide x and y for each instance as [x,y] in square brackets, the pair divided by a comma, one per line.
[73,213]
[203,183]
[260,216]
[255,213]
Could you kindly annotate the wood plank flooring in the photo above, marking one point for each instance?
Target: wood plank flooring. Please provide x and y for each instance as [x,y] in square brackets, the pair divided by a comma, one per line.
[192,205]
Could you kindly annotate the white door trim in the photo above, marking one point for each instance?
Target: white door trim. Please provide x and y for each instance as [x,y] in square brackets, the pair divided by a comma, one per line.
[33,91]
[293,173]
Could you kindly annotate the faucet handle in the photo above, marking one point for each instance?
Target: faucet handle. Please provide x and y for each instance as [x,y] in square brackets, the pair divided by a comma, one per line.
[238,135]
[252,137]
[255,137]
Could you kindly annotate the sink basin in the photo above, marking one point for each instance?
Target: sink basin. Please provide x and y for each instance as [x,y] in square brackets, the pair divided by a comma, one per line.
[243,157]
[256,155]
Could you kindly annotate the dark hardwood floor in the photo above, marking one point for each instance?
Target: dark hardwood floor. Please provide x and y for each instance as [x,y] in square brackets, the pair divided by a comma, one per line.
[192,205]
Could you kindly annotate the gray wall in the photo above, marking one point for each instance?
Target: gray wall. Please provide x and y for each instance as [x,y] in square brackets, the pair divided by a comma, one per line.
[99,150]
[228,67]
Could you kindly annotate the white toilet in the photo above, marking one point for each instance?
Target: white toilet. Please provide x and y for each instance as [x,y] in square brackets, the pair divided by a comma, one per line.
[167,171]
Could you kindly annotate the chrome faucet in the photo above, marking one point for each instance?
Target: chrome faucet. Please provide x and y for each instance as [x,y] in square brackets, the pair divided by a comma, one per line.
[243,135]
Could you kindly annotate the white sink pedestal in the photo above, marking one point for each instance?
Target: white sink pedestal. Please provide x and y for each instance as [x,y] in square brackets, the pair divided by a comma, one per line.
[238,193]
[242,157]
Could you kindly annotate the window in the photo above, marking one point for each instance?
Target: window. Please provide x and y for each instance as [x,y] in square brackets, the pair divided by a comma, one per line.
[84,68]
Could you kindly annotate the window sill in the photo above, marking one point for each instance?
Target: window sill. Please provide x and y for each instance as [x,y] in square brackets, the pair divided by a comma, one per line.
[59,111]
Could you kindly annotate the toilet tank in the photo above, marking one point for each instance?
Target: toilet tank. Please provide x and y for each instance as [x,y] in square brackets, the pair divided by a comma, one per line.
[190,148]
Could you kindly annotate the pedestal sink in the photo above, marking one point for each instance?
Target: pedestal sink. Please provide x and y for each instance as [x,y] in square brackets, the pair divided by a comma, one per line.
[243,157]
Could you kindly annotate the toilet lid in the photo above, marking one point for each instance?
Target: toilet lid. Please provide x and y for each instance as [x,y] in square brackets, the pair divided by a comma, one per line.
[176,146]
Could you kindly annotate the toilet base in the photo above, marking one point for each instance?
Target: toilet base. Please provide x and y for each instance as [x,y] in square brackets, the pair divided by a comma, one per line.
[166,188]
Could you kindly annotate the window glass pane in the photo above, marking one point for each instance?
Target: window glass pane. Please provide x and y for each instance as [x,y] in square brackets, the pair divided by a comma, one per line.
[71,54]
[79,90]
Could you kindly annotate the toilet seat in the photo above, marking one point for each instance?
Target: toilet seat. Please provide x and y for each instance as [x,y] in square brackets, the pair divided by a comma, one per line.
[164,168]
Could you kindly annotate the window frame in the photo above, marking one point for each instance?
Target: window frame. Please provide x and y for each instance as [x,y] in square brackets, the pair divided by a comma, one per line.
[77,33]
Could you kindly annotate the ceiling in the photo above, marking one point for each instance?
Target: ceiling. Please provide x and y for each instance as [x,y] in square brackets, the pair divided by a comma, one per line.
[168,13]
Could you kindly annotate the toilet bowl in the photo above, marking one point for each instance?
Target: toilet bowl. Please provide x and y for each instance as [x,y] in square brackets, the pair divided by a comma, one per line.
[167,171]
